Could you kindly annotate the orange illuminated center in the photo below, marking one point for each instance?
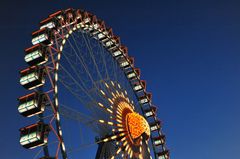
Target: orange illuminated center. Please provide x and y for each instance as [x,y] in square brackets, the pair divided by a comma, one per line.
[137,125]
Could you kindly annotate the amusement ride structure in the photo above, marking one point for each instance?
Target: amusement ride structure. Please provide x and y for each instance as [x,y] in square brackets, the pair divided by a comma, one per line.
[79,72]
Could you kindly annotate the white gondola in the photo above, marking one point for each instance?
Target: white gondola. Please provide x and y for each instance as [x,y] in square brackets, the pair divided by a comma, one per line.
[102,35]
[155,125]
[150,112]
[125,64]
[34,135]
[36,55]
[160,140]
[133,74]
[117,53]
[163,155]
[42,36]
[48,23]
[145,99]
[31,104]
[32,78]
[139,86]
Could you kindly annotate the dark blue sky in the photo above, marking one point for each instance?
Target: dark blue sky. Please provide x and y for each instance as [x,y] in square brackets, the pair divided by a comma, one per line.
[188,51]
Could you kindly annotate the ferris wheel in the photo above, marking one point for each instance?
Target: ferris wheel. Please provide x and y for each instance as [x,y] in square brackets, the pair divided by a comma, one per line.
[84,91]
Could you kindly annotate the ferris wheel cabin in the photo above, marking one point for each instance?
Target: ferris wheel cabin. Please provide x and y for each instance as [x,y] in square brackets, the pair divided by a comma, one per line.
[150,112]
[160,140]
[32,77]
[133,74]
[126,62]
[163,155]
[50,22]
[31,104]
[36,55]
[43,36]
[34,135]
[139,86]
[145,99]
[156,125]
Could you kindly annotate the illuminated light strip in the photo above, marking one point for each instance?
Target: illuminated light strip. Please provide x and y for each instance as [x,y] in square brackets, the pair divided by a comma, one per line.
[119,117]
[101,121]
[101,105]
[110,123]
[103,93]
[113,95]
[129,150]
[125,143]
[117,92]
[106,85]
[119,86]
[114,137]
[105,122]
[119,113]
[109,110]
[122,134]
[123,139]
[131,154]
[120,121]
[117,152]
[110,101]
[105,140]
[112,83]
[123,94]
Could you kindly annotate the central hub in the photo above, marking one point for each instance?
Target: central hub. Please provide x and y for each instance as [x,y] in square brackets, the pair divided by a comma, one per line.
[137,125]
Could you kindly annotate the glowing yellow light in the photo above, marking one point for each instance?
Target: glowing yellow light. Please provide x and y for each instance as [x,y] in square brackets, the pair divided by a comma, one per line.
[105,140]
[100,104]
[112,83]
[114,137]
[102,92]
[123,139]
[109,110]
[106,85]
[110,100]
[110,123]
[119,150]
[137,125]
[131,154]
[101,121]
[113,94]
